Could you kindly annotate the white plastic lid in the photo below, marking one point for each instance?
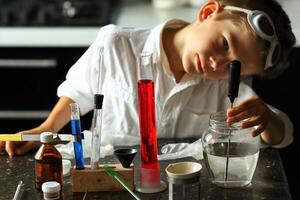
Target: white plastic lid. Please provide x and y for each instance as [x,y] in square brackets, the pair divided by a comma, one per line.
[46,137]
[51,187]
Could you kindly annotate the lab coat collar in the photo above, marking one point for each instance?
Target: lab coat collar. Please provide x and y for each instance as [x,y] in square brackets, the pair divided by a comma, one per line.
[156,47]
[159,55]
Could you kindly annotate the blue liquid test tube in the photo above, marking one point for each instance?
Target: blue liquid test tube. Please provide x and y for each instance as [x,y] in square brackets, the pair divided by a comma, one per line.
[76,132]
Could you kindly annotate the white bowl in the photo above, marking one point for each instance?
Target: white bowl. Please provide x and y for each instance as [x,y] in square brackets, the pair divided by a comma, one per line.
[183,170]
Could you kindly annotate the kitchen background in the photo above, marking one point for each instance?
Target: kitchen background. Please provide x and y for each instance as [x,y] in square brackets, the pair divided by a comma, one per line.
[41,39]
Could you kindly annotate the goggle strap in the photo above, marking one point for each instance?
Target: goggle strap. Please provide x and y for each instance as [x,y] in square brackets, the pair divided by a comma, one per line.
[255,26]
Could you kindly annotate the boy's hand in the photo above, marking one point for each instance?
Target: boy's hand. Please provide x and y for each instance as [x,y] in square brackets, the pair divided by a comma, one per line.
[18,148]
[253,111]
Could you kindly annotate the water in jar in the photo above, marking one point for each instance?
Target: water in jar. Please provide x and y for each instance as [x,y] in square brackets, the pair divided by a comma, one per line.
[241,166]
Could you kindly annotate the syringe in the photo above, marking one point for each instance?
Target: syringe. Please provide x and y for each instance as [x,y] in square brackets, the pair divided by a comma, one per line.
[233,90]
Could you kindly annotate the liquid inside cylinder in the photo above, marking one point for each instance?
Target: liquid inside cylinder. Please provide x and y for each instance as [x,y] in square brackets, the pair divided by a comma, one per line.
[147,124]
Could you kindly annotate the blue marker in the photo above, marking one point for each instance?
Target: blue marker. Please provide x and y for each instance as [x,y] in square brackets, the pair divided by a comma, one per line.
[76,132]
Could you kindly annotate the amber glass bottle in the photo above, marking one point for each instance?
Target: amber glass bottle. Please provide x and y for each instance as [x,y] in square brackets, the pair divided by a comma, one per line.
[48,162]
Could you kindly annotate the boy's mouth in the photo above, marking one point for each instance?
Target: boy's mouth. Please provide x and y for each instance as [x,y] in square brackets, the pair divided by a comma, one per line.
[199,65]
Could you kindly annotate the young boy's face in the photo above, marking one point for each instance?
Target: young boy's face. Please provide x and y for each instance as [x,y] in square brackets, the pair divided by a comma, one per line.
[212,43]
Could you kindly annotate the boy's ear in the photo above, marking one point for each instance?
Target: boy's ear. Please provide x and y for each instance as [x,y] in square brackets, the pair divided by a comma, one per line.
[208,9]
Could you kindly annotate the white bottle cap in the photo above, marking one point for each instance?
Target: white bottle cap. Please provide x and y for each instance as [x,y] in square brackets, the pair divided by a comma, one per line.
[46,137]
[51,187]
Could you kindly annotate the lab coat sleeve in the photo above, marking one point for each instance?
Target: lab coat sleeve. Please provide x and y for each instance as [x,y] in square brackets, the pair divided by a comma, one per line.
[246,92]
[288,128]
[82,78]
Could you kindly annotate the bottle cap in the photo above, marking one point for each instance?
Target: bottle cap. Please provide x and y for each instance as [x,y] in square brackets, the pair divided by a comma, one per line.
[51,187]
[46,137]
[98,100]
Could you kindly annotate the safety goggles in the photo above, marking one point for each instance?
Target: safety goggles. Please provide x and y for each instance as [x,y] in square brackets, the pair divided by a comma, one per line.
[263,26]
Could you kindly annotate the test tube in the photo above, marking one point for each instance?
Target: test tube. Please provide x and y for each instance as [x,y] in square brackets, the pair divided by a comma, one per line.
[78,135]
[96,131]
[150,171]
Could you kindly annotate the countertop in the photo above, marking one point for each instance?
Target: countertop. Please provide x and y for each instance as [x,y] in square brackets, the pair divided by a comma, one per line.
[269,181]
[132,13]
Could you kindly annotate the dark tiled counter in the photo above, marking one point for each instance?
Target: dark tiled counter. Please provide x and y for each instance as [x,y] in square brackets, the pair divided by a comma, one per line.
[269,181]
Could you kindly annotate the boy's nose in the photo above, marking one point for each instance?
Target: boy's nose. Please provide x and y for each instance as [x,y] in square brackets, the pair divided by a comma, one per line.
[216,63]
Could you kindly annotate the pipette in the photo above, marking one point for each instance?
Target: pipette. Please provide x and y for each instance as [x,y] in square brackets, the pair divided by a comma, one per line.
[233,90]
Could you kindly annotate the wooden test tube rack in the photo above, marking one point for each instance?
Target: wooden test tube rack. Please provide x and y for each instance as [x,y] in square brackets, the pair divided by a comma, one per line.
[95,180]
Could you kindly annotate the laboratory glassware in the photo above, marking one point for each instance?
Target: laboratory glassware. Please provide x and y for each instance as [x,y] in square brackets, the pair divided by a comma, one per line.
[78,135]
[48,162]
[150,170]
[243,152]
[97,118]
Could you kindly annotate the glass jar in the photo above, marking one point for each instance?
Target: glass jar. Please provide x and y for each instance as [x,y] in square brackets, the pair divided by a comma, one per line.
[230,153]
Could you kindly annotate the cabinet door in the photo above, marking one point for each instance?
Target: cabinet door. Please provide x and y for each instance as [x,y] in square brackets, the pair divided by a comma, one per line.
[29,78]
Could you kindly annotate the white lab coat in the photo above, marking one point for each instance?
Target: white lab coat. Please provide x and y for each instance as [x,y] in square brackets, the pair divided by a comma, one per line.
[182,109]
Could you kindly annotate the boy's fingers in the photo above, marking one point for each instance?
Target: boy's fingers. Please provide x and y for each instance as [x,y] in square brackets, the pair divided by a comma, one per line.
[27,146]
[258,131]
[9,147]
[246,105]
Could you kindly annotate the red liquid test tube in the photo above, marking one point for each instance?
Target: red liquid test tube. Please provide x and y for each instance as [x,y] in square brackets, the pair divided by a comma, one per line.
[150,171]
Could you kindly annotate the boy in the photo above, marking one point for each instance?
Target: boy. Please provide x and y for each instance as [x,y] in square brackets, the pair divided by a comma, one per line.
[191,68]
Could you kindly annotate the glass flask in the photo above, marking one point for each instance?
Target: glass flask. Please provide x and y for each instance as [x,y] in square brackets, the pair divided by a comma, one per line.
[230,153]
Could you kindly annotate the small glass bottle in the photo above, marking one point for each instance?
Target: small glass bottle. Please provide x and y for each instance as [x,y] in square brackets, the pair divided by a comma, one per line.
[230,153]
[48,162]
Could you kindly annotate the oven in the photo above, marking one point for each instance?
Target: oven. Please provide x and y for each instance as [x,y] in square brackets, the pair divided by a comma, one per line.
[29,78]
[30,74]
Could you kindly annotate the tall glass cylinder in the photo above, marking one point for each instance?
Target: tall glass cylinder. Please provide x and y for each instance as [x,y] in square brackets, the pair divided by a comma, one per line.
[150,172]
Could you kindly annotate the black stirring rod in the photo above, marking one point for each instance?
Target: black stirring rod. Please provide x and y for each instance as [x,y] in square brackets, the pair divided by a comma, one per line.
[233,91]
[234,80]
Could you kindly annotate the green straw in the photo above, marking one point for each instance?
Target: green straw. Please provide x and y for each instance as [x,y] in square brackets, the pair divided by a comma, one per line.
[113,173]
